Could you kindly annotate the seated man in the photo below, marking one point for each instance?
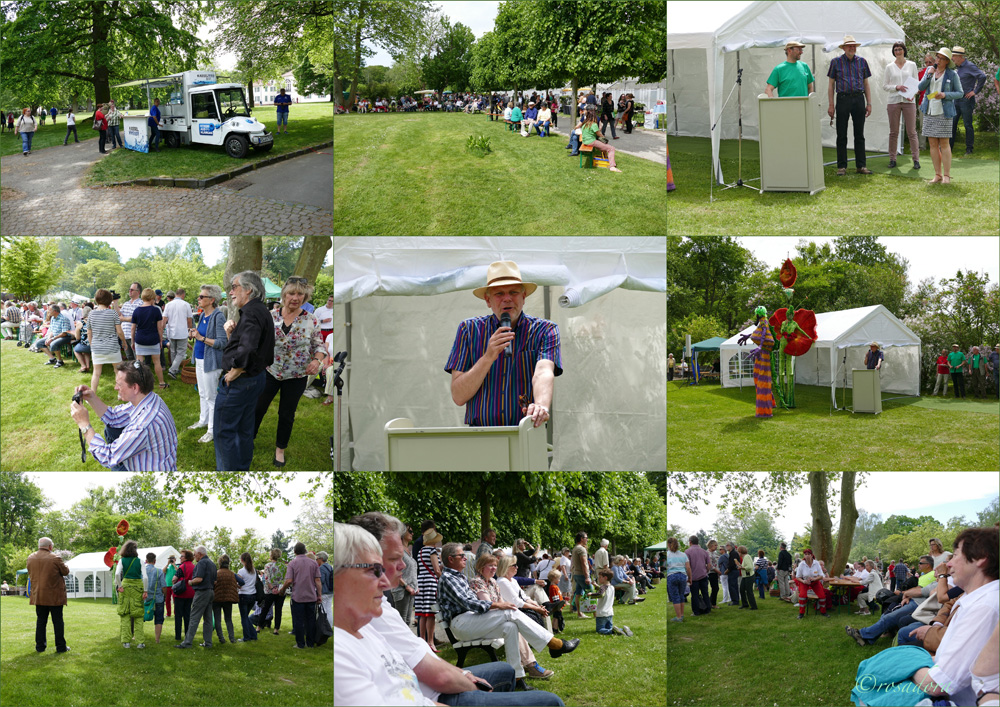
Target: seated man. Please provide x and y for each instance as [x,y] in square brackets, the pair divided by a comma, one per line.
[439,680]
[473,618]
[59,333]
[141,434]
[11,321]
[530,117]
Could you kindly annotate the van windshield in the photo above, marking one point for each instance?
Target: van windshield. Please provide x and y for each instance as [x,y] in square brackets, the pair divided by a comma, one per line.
[232,103]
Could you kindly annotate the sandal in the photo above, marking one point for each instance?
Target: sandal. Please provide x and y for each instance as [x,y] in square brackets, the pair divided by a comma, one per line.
[164,386]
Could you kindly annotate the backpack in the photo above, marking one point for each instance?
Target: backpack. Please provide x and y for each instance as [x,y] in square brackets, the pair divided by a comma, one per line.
[258,590]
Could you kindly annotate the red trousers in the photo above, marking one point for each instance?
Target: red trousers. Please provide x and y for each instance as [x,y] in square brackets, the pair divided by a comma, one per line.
[817,587]
[167,593]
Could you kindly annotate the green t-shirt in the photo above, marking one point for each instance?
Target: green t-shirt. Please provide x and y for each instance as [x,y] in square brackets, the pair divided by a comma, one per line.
[791,79]
[589,131]
[515,115]
[975,361]
[956,359]
[169,573]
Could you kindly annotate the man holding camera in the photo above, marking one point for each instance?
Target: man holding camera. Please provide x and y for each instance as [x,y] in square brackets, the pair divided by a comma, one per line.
[141,434]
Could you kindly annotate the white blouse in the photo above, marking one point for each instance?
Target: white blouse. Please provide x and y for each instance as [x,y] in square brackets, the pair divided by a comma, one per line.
[809,574]
[894,76]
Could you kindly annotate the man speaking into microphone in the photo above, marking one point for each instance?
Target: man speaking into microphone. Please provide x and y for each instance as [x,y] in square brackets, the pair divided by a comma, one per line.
[502,372]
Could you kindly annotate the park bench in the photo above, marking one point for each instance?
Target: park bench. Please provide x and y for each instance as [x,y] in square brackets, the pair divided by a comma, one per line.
[462,648]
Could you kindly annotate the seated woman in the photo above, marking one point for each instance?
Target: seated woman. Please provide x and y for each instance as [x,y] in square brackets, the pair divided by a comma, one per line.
[589,135]
[516,117]
[623,581]
[511,591]
[369,670]
[507,112]
[486,588]
[544,120]
[640,576]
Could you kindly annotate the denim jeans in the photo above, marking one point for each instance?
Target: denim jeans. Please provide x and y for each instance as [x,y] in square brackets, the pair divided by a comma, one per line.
[605,122]
[154,138]
[676,583]
[574,143]
[26,141]
[904,636]
[282,118]
[891,622]
[234,417]
[964,106]
[246,607]
[76,138]
[501,676]
[114,137]
[700,588]
[604,625]
[539,126]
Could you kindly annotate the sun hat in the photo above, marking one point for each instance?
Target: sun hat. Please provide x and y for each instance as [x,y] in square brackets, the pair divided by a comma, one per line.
[794,44]
[958,50]
[875,344]
[955,346]
[849,39]
[945,51]
[432,536]
[504,272]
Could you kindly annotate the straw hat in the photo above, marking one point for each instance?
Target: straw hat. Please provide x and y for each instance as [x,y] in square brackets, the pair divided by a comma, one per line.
[875,344]
[945,51]
[504,272]
[794,44]
[958,50]
[432,536]
[849,39]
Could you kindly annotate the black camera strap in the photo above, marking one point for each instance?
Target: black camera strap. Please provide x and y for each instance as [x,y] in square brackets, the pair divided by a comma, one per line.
[83,447]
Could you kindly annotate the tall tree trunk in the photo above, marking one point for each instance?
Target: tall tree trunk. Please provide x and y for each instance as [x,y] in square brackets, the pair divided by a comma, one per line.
[311,257]
[574,84]
[99,35]
[245,253]
[356,68]
[848,521]
[822,538]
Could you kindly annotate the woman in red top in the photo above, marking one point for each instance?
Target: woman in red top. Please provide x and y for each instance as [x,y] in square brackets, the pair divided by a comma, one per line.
[182,600]
[942,374]
[102,121]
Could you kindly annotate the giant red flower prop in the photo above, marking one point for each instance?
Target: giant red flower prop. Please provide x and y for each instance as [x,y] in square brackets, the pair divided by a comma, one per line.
[122,528]
[797,343]
[788,273]
[109,556]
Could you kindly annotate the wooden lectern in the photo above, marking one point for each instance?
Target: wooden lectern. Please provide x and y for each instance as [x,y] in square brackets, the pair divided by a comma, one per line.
[867,390]
[508,448]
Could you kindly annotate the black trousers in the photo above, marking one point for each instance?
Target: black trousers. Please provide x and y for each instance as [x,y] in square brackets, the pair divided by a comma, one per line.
[278,600]
[734,587]
[304,623]
[182,615]
[713,579]
[746,592]
[103,140]
[892,584]
[291,392]
[42,614]
[958,383]
[851,105]
[699,595]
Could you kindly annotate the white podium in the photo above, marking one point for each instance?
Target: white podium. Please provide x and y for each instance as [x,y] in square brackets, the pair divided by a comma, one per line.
[867,390]
[507,448]
[791,146]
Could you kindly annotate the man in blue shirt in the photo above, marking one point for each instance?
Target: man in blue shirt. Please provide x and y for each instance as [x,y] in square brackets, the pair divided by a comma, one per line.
[282,101]
[973,79]
[849,74]
[58,334]
[154,122]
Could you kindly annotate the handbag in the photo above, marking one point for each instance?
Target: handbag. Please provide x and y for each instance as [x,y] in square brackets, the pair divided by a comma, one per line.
[323,629]
[180,585]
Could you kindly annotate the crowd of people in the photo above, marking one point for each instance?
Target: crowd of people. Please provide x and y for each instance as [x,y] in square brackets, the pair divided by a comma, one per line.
[203,591]
[948,604]
[945,93]
[244,356]
[384,579]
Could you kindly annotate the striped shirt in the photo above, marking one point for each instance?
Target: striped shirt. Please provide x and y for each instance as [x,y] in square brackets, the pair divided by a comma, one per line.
[148,442]
[12,314]
[496,401]
[127,310]
[850,74]
[103,334]
[57,325]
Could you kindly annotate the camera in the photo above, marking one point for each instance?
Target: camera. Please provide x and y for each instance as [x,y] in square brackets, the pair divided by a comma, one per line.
[78,398]
[115,296]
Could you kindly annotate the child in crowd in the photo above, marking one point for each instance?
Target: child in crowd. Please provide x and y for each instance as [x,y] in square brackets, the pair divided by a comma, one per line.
[555,595]
[606,606]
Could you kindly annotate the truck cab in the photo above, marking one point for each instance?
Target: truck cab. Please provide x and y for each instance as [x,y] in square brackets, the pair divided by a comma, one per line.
[201,110]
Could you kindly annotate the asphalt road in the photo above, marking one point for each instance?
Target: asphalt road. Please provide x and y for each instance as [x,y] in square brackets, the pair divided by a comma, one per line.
[301,180]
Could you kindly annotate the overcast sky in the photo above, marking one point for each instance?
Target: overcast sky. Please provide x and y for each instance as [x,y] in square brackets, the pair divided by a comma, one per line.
[66,488]
[477,16]
[211,246]
[683,17]
[941,496]
[929,256]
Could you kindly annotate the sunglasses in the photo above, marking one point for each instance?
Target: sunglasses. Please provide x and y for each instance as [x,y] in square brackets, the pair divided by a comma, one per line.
[376,567]
[303,280]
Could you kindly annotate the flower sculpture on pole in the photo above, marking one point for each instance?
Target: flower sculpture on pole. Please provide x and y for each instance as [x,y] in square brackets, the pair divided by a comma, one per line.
[795,333]
[113,555]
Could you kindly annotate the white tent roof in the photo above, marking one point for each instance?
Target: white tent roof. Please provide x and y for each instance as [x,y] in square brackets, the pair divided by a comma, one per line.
[852,327]
[701,66]
[94,561]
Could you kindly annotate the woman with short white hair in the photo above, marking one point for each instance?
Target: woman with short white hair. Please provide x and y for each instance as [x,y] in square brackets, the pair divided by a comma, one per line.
[360,653]
[209,340]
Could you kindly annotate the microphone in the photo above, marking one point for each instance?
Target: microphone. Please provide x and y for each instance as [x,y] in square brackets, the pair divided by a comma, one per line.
[505,321]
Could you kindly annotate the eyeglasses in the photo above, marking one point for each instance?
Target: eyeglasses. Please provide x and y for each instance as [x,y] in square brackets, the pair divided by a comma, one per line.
[377,567]
[204,296]
[234,286]
[303,280]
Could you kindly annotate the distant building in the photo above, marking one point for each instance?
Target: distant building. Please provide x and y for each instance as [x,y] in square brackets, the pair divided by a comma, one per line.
[264,92]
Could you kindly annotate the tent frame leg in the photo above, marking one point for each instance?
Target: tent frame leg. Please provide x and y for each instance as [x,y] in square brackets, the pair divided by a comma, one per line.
[738,87]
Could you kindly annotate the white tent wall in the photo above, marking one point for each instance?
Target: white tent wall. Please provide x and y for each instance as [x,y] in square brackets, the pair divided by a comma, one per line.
[701,66]
[609,409]
[93,577]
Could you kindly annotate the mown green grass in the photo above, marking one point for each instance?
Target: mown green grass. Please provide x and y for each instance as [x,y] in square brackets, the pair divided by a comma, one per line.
[98,671]
[714,428]
[37,432]
[879,203]
[606,671]
[410,174]
[765,657]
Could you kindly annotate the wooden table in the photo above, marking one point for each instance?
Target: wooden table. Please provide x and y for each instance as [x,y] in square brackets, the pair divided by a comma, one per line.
[839,587]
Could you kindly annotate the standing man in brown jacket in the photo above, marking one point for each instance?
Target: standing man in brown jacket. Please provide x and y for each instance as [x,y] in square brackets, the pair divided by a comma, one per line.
[48,593]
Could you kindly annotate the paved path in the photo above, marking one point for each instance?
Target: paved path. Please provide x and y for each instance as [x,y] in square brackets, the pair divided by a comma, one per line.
[648,144]
[303,180]
[42,196]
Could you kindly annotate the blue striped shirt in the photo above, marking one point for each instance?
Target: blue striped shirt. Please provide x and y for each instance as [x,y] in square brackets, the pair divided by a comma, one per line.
[850,74]
[148,442]
[57,325]
[496,401]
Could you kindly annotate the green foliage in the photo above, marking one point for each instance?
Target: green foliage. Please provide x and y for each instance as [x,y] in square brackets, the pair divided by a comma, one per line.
[21,501]
[13,558]
[29,266]
[260,489]
[479,145]
[314,526]
[90,276]
[450,64]
[989,515]
[307,81]
[357,492]
[699,327]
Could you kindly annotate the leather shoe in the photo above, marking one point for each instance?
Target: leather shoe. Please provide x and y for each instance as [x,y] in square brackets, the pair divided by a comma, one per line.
[864,170]
[277,463]
[520,684]
[569,645]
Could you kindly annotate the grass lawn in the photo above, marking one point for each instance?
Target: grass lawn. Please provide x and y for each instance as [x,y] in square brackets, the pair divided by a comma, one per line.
[410,174]
[606,671]
[99,671]
[714,428]
[37,432]
[308,124]
[889,202]
[715,659]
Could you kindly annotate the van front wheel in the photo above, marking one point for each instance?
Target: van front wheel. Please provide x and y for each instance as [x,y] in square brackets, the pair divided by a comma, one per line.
[236,146]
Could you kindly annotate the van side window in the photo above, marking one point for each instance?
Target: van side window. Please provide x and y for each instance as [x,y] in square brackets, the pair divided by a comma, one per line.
[203,106]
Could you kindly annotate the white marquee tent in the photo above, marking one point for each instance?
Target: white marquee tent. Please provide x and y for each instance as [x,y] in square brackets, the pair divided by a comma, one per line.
[90,577]
[708,41]
[847,332]
[398,303]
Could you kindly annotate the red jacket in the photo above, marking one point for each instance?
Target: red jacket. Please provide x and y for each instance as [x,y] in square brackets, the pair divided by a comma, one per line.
[942,365]
[185,571]
[99,116]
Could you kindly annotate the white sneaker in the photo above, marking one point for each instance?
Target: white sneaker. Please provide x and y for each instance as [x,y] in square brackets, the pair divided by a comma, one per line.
[205,438]
[197,425]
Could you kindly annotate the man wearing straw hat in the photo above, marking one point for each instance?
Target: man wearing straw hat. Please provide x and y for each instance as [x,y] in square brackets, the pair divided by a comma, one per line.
[973,79]
[791,77]
[849,78]
[874,357]
[503,373]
